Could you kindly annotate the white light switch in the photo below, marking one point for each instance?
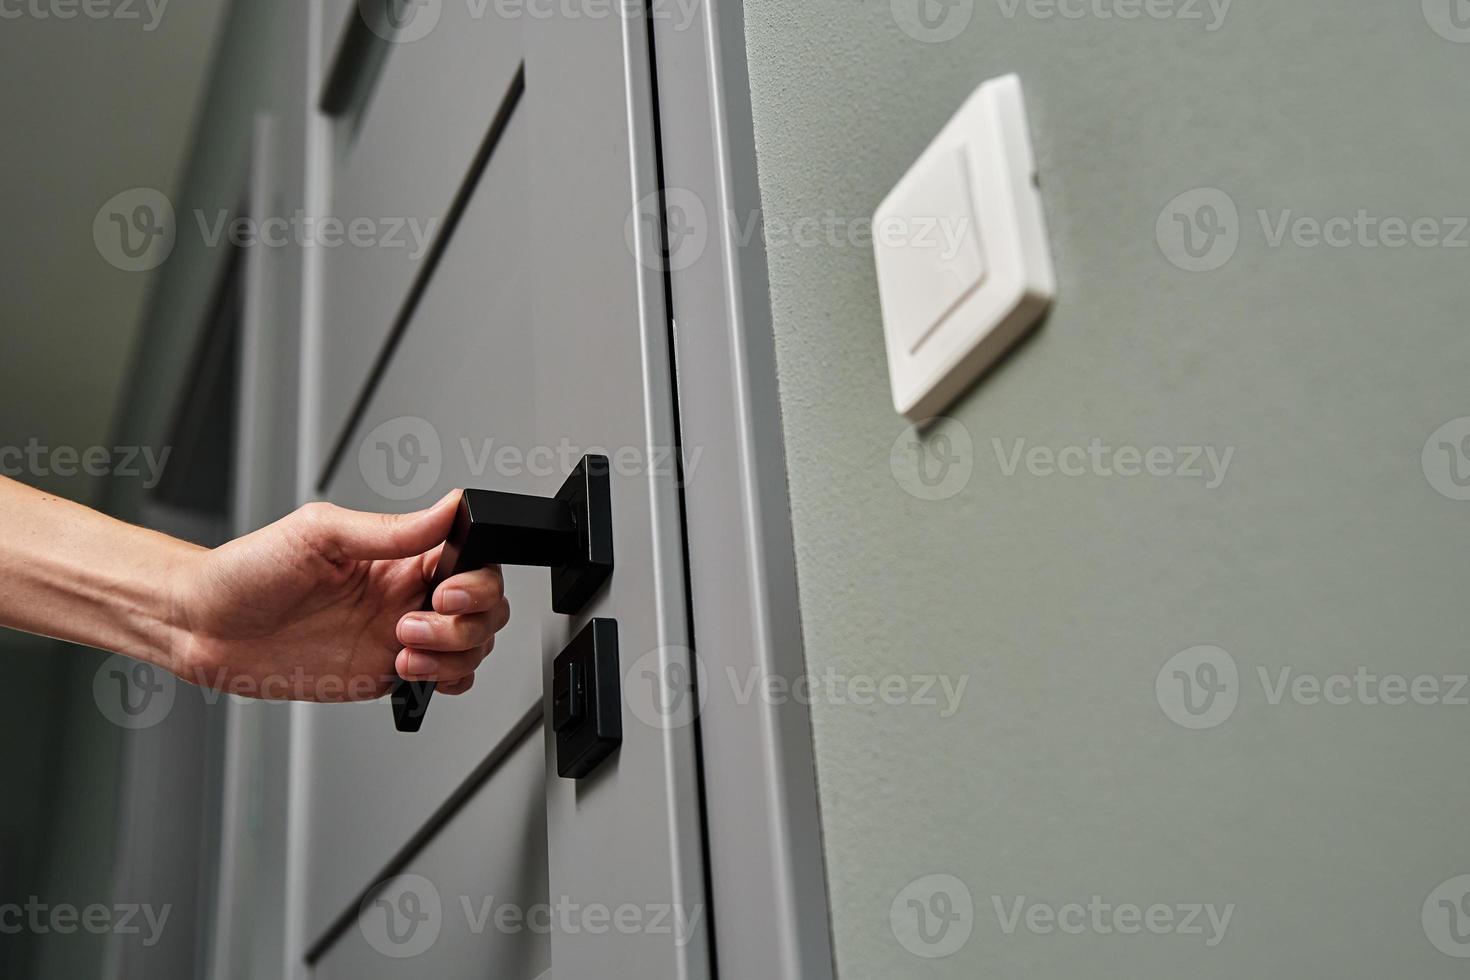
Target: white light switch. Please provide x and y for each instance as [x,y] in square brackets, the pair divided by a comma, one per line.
[942,266]
[964,266]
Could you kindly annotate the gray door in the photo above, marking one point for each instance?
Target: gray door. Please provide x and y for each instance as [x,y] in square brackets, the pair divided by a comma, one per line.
[530,330]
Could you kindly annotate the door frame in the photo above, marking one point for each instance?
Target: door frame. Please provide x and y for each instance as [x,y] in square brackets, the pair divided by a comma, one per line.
[767,877]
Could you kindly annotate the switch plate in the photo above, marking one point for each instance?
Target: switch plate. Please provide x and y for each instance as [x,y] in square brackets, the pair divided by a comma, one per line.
[964,265]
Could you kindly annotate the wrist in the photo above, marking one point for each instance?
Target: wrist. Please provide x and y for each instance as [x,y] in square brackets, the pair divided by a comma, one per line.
[162,623]
[145,601]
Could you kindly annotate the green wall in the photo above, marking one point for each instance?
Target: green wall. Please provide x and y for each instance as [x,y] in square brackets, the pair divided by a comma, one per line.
[1058,600]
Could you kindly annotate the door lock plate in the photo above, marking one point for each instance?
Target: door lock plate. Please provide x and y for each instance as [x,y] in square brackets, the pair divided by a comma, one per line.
[586,700]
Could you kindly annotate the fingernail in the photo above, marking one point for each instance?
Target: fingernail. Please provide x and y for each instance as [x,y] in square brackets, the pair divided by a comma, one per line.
[453,601]
[413,631]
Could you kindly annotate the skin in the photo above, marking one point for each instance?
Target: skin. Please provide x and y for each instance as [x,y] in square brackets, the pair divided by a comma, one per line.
[323,605]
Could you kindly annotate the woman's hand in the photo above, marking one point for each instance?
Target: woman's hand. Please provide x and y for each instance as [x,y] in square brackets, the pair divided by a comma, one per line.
[324,605]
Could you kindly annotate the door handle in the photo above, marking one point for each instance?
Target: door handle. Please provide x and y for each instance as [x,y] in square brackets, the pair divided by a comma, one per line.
[570,533]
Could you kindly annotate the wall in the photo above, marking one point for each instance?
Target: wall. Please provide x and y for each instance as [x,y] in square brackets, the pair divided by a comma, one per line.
[1059,599]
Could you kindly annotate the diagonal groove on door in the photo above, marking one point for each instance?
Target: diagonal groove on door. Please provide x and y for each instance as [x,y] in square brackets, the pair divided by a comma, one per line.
[426,271]
[528,723]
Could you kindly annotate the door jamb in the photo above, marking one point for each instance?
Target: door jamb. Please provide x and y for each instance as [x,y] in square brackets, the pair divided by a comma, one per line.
[767,879]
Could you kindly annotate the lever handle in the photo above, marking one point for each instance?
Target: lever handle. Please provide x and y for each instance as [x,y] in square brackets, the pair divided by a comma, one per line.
[570,533]
[411,698]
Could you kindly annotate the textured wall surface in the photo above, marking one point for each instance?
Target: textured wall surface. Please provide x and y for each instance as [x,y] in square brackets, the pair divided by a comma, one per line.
[1330,547]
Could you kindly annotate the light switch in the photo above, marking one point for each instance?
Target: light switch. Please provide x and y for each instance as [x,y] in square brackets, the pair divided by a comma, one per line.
[964,266]
[941,265]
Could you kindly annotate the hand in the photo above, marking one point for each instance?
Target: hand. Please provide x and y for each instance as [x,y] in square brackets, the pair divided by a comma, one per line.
[324,605]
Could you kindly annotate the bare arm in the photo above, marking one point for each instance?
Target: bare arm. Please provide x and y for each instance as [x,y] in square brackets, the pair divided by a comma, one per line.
[323,605]
[78,575]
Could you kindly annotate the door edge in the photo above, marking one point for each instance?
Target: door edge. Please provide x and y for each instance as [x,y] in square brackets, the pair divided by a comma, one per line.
[767,877]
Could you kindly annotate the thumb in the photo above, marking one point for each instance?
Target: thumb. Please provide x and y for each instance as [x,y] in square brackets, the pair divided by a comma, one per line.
[351,534]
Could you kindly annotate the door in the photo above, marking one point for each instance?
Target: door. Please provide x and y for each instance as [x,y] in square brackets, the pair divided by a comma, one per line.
[530,329]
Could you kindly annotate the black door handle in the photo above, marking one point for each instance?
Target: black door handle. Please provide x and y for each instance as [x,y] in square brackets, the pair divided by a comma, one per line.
[570,533]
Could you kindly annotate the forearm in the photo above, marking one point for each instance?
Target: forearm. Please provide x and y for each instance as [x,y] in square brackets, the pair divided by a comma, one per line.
[78,575]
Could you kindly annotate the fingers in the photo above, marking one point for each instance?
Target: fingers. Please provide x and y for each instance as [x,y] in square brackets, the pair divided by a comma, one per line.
[458,687]
[450,634]
[479,591]
[446,668]
[447,649]
[350,534]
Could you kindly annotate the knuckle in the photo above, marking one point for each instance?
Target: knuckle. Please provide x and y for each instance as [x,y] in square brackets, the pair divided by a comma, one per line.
[484,591]
[472,630]
[317,512]
[314,523]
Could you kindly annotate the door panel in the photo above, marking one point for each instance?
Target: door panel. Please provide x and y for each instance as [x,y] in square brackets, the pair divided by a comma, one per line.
[540,337]
[399,166]
[474,902]
[461,371]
